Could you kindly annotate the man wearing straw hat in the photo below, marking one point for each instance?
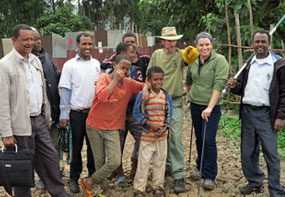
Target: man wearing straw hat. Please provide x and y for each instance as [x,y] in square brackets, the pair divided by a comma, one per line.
[170,60]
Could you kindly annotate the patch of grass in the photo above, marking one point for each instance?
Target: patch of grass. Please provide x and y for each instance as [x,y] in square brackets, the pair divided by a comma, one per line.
[230,127]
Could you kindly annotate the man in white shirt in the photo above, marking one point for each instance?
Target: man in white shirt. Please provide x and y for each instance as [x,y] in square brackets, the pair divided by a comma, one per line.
[261,86]
[23,109]
[77,89]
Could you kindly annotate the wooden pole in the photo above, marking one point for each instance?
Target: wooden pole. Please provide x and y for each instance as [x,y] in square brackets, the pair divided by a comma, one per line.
[228,35]
[250,16]
[239,50]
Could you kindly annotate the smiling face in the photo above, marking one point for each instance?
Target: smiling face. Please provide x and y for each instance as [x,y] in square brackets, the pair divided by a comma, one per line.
[130,40]
[156,81]
[24,42]
[205,47]
[261,44]
[85,45]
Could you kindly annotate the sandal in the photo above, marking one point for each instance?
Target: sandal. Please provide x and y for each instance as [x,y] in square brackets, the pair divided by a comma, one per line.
[86,188]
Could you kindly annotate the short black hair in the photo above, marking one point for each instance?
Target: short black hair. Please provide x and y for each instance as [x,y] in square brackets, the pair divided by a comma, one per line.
[262,31]
[119,58]
[83,34]
[16,30]
[129,34]
[152,70]
[123,47]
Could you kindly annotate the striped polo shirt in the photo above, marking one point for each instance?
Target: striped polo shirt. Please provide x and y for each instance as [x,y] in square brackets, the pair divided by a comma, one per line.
[154,107]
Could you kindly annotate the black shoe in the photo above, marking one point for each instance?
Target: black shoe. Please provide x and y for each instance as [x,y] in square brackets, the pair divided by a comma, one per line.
[179,186]
[159,192]
[74,186]
[248,189]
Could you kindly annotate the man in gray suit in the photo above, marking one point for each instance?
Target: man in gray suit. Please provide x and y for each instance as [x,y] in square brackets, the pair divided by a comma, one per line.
[23,111]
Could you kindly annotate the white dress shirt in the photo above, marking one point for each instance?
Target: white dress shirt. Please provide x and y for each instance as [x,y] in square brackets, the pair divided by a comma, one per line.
[34,83]
[80,76]
[258,83]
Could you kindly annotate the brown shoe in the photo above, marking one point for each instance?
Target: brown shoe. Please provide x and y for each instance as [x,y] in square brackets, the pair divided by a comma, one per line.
[86,185]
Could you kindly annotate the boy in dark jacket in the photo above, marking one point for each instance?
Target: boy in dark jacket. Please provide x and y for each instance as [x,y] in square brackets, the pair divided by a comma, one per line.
[152,111]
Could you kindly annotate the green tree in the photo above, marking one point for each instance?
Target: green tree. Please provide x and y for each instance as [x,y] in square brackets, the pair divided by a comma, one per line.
[63,20]
[13,12]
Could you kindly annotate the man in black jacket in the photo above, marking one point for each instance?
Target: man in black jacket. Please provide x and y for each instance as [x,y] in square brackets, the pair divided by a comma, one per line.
[261,86]
[52,75]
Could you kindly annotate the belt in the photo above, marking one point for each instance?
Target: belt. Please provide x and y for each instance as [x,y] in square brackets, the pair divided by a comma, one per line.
[257,107]
[82,110]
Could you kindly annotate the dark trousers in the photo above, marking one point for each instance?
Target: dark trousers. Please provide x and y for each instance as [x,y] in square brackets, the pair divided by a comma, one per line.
[209,166]
[78,129]
[46,162]
[256,130]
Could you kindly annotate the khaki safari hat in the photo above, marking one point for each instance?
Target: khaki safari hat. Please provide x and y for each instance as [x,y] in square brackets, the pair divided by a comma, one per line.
[169,33]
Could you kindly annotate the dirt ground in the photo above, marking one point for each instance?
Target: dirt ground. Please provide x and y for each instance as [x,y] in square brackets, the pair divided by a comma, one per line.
[228,181]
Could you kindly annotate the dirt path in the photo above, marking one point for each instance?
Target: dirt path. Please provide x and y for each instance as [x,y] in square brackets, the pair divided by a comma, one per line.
[228,181]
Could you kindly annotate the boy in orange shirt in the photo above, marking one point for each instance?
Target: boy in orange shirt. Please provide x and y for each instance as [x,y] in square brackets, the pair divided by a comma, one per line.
[106,117]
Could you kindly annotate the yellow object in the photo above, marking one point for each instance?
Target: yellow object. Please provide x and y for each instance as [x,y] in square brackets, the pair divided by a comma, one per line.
[189,54]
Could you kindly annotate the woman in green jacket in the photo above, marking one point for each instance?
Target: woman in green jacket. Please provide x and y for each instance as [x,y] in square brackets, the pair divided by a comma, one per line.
[206,78]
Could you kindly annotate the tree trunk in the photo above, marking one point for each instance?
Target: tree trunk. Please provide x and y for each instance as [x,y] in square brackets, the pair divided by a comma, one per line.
[239,50]
[250,16]
[229,36]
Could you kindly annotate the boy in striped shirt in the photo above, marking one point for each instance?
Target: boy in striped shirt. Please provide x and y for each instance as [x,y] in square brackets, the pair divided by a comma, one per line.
[153,112]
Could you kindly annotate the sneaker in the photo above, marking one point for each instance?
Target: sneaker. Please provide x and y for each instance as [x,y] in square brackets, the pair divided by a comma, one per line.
[195,175]
[248,189]
[138,193]
[208,184]
[73,186]
[159,192]
[179,186]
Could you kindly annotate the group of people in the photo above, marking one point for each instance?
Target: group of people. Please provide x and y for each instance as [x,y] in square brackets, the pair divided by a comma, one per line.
[129,92]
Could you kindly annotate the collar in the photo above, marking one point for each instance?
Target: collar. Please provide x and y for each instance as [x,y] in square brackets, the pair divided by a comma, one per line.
[200,63]
[20,58]
[267,60]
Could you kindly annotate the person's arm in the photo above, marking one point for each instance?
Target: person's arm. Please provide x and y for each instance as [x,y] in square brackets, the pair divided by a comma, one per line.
[105,88]
[138,114]
[65,91]
[279,122]
[5,119]
[65,97]
[188,82]
[221,75]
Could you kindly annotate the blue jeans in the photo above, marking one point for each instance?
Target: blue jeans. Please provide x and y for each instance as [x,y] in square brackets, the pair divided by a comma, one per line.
[209,166]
